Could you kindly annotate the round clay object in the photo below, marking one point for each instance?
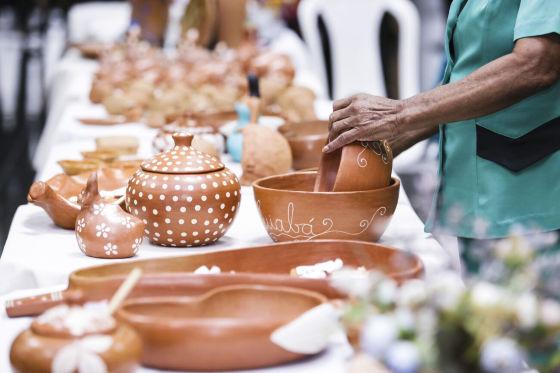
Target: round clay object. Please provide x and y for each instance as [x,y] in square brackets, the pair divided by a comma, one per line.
[184,196]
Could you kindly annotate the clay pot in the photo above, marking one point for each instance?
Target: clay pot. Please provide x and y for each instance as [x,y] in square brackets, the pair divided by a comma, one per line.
[227,328]
[358,166]
[185,197]
[65,336]
[75,167]
[290,210]
[104,230]
[265,265]
[306,140]
[59,195]
[205,139]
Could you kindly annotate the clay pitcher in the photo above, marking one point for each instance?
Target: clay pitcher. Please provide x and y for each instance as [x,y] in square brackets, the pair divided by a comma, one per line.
[104,229]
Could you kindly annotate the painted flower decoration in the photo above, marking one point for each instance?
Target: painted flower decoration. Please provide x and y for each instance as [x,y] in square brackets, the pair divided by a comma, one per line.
[98,209]
[102,230]
[80,224]
[127,222]
[82,356]
[81,243]
[136,245]
[111,249]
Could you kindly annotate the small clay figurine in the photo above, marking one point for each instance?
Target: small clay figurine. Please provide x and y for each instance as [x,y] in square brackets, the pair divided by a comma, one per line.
[104,229]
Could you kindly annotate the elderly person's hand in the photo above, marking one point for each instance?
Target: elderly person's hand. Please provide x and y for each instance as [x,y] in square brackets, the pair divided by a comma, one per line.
[363,117]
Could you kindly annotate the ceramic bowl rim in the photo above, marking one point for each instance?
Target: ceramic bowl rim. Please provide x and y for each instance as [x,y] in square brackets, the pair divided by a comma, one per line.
[392,188]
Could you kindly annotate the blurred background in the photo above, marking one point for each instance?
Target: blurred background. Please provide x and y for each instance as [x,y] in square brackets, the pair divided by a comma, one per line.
[400,46]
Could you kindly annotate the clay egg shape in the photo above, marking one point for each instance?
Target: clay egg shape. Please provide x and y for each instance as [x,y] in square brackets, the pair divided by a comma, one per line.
[104,229]
[184,196]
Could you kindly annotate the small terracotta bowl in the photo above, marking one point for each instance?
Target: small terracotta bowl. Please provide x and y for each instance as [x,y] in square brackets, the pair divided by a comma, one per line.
[306,140]
[290,210]
[227,328]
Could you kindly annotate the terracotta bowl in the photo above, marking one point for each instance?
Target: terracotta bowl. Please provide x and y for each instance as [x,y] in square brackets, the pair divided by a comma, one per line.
[290,210]
[264,265]
[306,140]
[227,328]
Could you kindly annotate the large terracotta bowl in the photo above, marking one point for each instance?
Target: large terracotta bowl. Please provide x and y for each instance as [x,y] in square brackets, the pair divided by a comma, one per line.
[227,328]
[290,210]
[306,140]
[259,265]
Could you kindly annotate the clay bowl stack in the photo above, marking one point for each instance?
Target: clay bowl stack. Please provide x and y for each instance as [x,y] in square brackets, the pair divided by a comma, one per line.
[227,328]
[352,196]
[306,140]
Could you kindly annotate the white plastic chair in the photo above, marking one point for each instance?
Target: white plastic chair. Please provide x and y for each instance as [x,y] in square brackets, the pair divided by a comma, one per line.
[98,21]
[353,28]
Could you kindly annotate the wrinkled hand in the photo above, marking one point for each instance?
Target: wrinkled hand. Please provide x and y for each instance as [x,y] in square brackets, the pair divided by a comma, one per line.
[363,117]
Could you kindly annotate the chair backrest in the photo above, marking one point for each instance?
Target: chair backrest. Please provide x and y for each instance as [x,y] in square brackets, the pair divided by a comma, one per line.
[353,28]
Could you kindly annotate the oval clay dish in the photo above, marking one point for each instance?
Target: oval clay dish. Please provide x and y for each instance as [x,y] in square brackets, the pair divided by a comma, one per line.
[264,265]
[227,328]
[291,210]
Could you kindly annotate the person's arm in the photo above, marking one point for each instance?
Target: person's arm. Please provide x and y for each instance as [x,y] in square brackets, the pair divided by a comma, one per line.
[533,65]
[400,143]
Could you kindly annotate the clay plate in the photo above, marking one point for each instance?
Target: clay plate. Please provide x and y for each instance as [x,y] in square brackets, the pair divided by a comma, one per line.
[227,328]
[264,265]
[290,210]
[306,140]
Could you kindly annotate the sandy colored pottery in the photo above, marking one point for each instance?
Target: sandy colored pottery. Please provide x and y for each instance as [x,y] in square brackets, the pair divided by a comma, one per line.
[104,230]
[265,153]
[71,339]
[363,165]
[265,265]
[122,145]
[291,210]
[107,121]
[183,196]
[306,140]
[227,328]
[59,196]
[101,155]
[75,167]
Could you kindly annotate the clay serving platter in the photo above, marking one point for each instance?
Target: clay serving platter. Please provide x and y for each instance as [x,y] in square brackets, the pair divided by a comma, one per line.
[227,328]
[264,265]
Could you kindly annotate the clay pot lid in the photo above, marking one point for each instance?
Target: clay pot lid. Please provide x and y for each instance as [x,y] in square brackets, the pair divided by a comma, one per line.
[182,159]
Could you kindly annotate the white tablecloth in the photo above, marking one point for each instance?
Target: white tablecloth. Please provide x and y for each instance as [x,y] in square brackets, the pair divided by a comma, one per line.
[39,255]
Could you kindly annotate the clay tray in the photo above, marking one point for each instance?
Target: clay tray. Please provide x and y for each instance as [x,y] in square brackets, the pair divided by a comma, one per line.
[261,265]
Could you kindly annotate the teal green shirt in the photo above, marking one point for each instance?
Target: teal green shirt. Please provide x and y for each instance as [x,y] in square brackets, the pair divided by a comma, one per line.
[478,198]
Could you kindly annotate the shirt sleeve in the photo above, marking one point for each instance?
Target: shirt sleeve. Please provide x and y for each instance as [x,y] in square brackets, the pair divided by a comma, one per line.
[537,17]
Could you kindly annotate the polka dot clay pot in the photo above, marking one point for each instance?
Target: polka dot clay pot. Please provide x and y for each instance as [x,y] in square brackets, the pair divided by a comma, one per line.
[184,196]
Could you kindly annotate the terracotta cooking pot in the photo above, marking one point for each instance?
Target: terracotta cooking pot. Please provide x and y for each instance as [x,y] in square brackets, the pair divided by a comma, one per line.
[363,165]
[64,336]
[183,196]
[306,140]
[290,210]
[266,265]
[227,328]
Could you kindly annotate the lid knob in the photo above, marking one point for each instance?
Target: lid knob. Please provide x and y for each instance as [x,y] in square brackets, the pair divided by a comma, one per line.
[182,138]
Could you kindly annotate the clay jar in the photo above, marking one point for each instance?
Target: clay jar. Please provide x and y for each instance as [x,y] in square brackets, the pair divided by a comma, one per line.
[105,230]
[184,196]
[70,339]
[363,165]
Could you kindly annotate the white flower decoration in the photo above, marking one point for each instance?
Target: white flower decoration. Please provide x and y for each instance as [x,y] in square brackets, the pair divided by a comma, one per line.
[136,245]
[102,230]
[83,355]
[98,209]
[111,249]
[80,224]
[127,222]
[81,243]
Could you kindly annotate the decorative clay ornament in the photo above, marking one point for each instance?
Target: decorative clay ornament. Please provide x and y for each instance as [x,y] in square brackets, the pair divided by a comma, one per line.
[105,230]
[184,196]
[76,339]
